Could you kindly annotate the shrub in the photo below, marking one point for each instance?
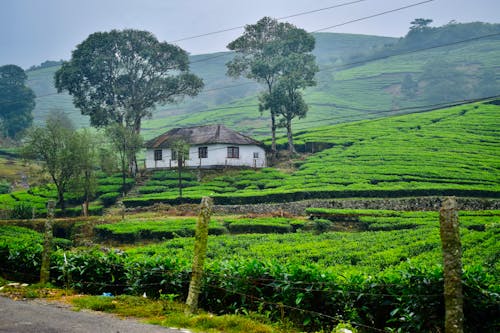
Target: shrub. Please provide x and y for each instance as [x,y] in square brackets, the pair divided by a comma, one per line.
[22,211]
[110,198]
[4,187]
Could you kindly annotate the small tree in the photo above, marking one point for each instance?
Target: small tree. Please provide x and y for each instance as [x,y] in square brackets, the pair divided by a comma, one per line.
[289,104]
[298,71]
[409,87]
[126,143]
[87,151]
[57,146]
[17,101]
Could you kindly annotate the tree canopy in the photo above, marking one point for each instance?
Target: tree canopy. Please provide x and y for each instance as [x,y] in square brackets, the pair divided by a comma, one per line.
[58,147]
[17,101]
[119,76]
[264,52]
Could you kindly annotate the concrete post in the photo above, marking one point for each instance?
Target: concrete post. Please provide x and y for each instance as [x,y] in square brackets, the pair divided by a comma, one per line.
[452,266]
[200,252]
[47,243]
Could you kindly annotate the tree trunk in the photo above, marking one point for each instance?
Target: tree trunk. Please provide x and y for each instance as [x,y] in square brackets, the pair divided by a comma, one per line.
[273,136]
[133,159]
[179,174]
[60,198]
[291,147]
[85,207]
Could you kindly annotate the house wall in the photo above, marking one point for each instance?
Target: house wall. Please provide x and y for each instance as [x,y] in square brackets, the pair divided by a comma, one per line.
[216,156]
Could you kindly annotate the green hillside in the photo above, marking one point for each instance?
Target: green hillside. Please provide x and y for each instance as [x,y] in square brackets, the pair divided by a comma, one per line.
[352,83]
[452,151]
[211,67]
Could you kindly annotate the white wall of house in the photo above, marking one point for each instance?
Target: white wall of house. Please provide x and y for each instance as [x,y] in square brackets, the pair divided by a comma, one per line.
[217,155]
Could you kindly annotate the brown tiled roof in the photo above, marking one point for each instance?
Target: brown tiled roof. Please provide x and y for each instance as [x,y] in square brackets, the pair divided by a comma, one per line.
[201,135]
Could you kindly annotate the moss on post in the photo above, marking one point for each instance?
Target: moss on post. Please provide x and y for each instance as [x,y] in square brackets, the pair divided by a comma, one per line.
[47,243]
[452,265]
[200,251]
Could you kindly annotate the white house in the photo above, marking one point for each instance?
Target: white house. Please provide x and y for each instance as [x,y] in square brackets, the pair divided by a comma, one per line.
[210,146]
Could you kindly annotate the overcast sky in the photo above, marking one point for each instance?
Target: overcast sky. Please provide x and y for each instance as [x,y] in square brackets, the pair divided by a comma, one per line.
[32,31]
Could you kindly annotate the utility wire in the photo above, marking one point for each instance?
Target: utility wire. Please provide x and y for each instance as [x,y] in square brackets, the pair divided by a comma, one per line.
[285,17]
[374,15]
[370,59]
[418,109]
[342,65]
[280,18]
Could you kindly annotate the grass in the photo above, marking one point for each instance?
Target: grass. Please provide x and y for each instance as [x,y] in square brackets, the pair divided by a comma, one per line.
[164,312]
[171,314]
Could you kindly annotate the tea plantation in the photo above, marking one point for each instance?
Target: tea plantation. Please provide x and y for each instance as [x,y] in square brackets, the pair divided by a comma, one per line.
[376,269]
[453,151]
[384,275]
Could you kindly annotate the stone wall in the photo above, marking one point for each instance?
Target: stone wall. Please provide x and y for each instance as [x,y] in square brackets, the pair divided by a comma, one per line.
[405,204]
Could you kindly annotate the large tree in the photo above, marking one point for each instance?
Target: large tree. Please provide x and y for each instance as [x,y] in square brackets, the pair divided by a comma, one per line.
[262,53]
[57,146]
[119,76]
[16,101]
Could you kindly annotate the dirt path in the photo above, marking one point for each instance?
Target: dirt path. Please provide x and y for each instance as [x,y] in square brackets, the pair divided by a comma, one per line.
[37,316]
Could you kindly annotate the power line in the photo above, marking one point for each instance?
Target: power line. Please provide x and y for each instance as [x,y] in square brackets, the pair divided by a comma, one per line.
[322,29]
[371,59]
[374,15]
[419,109]
[280,18]
[290,16]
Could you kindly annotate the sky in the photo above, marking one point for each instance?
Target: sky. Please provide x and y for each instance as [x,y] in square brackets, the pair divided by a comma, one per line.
[32,31]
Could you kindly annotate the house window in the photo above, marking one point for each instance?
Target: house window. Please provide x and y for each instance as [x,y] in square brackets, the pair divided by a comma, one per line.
[233,152]
[158,155]
[202,152]
[174,155]
[255,155]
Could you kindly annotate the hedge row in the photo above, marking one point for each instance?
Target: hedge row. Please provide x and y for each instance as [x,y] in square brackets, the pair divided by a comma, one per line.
[134,231]
[257,198]
[409,300]
[130,237]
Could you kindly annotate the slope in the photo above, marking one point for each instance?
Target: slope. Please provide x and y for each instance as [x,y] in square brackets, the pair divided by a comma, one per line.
[211,67]
[451,151]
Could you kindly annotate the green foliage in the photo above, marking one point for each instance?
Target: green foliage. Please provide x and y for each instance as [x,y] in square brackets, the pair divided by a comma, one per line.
[117,74]
[276,53]
[132,231]
[57,146]
[22,211]
[16,101]
[97,303]
[37,197]
[90,271]
[443,152]
[109,198]
[392,282]
[4,187]
[20,253]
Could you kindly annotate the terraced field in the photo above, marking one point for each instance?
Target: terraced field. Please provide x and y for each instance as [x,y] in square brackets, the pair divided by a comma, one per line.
[453,151]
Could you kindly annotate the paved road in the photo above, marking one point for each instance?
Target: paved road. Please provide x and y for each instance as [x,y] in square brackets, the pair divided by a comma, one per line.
[37,316]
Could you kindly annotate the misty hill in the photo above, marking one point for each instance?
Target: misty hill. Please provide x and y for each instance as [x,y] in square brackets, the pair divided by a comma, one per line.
[352,85]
